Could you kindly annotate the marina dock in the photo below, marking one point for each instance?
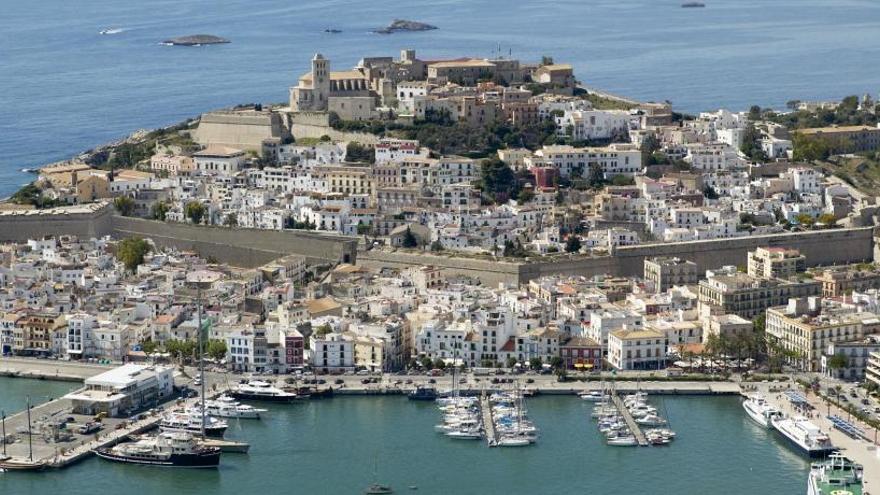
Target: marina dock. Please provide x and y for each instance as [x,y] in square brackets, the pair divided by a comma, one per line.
[488,422]
[630,422]
[62,454]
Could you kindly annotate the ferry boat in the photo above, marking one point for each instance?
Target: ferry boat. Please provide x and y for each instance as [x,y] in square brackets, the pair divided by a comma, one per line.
[423,393]
[191,422]
[806,436]
[837,475]
[761,411]
[263,391]
[169,449]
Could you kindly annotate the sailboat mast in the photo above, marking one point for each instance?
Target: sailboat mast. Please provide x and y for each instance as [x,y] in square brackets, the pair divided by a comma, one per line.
[201,359]
[30,434]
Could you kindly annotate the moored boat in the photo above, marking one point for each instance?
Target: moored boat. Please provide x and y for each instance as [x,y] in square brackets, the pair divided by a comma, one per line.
[837,475]
[804,435]
[261,391]
[761,411]
[168,449]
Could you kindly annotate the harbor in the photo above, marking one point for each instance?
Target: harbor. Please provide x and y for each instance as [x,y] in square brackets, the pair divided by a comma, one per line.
[346,434]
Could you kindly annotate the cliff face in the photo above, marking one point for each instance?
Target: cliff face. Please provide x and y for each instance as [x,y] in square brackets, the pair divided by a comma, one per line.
[404,25]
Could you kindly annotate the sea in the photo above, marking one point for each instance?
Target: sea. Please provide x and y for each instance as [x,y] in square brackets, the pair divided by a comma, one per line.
[65,88]
[344,444]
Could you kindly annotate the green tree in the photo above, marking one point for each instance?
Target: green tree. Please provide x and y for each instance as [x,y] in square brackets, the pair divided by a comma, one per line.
[356,152]
[439,364]
[525,196]
[148,346]
[231,220]
[573,243]
[511,362]
[838,361]
[535,363]
[497,179]
[195,211]
[556,362]
[124,205]
[159,211]
[216,349]
[131,251]
[323,330]
[827,219]
[426,362]
[409,239]
[754,112]
[596,176]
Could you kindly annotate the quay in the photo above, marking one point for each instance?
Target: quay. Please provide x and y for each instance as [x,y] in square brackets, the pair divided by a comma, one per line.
[861,450]
[488,422]
[59,455]
[630,422]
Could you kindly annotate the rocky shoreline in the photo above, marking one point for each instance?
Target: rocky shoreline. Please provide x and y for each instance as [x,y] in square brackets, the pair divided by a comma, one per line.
[196,40]
[399,25]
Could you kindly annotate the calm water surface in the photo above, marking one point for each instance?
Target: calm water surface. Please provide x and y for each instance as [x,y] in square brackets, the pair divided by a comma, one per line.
[65,88]
[334,446]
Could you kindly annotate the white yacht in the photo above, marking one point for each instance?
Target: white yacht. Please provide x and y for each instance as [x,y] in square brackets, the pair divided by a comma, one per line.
[761,411]
[263,391]
[191,422]
[806,436]
[592,396]
[227,407]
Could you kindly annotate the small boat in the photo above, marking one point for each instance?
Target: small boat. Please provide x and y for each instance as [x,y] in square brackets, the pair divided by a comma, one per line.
[423,393]
[465,434]
[693,5]
[622,440]
[110,31]
[592,396]
[332,31]
[651,420]
[513,442]
[377,489]
[13,464]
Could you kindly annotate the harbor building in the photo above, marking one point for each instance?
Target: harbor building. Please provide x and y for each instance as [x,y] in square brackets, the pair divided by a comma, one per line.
[123,390]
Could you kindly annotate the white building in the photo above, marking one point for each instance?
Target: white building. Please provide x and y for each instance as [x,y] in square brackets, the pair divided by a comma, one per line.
[331,353]
[636,349]
[123,390]
[216,159]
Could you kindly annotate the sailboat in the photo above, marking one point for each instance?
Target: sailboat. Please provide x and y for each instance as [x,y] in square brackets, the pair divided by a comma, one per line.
[377,488]
[29,464]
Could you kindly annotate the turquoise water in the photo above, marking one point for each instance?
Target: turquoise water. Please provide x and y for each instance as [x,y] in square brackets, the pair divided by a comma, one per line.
[14,392]
[334,446]
[65,88]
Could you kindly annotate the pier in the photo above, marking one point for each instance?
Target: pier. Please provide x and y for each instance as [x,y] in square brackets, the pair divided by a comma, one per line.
[60,454]
[488,422]
[630,422]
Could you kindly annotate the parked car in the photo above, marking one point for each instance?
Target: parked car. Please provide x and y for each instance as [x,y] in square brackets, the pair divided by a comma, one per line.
[338,381]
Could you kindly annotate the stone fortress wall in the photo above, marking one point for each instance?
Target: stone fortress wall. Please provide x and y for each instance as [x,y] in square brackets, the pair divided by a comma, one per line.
[252,247]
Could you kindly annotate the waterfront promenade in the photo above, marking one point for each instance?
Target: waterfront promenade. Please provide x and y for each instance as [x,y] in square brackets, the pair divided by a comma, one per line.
[865,452]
